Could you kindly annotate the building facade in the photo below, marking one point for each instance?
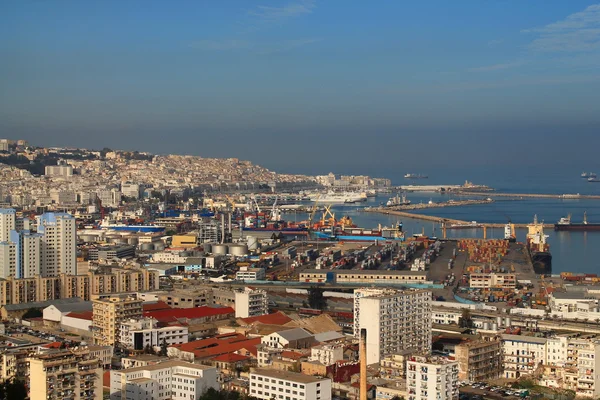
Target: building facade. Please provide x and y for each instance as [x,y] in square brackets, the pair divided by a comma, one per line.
[59,244]
[431,378]
[269,384]
[479,360]
[136,334]
[108,314]
[251,303]
[395,320]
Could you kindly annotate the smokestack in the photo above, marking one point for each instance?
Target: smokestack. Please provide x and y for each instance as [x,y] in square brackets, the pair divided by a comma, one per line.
[363,364]
[229,223]
[222,228]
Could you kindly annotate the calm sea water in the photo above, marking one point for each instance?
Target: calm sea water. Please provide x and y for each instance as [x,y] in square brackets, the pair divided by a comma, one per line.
[571,251]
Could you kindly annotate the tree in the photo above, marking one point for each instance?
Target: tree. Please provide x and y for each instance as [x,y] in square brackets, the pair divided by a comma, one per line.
[466,320]
[33,313]
[316,299]
[163,348]
[149,350]
[13,389]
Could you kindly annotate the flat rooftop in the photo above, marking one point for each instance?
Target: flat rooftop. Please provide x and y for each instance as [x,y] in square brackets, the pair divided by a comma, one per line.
[287,375]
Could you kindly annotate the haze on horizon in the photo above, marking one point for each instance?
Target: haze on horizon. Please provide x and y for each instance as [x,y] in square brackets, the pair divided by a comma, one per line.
[308,86]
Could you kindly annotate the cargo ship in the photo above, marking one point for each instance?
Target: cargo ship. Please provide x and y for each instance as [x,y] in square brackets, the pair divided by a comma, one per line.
[468,225]
[415,176]
[539,249]
[398,201]
[593,179]
[588,175]
[565,224]
[355,234]
[339,198]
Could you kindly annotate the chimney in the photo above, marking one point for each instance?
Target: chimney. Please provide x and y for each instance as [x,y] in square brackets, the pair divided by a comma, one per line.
[222,228]
[363,364]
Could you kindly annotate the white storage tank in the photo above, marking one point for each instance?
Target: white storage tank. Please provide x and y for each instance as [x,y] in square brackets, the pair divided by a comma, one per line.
[252,243]
[159,246]
[499,322]
[220,249]
[238,250]
[147,246]
[207,247]
[507,322]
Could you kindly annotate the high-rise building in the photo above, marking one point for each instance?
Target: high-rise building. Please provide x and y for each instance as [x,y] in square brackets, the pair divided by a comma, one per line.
[251,303]
[431,378]
[109,313]
[28,254]
[59,244]
[65,374]
[64,170]
[136,334]
[395,320]
[8,218]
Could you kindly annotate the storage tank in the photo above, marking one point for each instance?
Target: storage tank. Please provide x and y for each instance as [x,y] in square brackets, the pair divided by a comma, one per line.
[207,247]
[159,246]
[147,246]
[252,243]
[499,322]
[220,249]
[133,241]
[487,326]
[507,322]
[238,250]
[494,326]
[88,238]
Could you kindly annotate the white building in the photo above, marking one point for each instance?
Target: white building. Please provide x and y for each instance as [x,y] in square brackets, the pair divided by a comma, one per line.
[63,196]
[492,280]
[327,354]
[131,190]
[173,380]
[136,334]
[431,378]
[4,144]
[109,197]
[250,274]
[523,354]
[269,384]
[296,338]
[395,320]
[251,303]
[59,244]
[65,171]
[20,257]
[8,217]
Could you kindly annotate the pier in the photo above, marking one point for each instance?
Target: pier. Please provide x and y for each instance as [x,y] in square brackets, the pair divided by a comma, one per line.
[449,203]
[432,218]
[566,196]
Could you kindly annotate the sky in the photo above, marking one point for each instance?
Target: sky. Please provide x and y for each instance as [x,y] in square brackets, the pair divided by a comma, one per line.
[309,86]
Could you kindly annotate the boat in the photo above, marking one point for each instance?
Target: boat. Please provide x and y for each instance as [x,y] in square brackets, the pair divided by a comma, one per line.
[565,224]
[415,176]
[371,193]
[538,247]
[588,175]
[398,201]
[355,234]
[468,225]
[593,179]
[339,198]
[131,228]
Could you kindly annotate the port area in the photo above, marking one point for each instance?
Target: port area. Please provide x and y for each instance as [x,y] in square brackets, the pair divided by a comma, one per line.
[449,203]
[529,195]
[433,218]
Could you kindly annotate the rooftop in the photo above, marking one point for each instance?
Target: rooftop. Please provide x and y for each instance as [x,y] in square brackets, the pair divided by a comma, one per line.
[287,375]
[164,365]
[294,334]
[277,318]
[220,344]
[523,338]
[174,315]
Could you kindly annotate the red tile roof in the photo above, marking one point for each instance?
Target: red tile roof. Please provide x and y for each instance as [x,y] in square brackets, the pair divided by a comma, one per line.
[53,345]
[230,358]
[176,314]
[218,345]
[277,318]
[292,355]
[159,305]
[87,315]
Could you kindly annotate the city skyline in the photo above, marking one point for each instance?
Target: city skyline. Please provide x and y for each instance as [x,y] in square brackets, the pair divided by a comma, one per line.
[302,86]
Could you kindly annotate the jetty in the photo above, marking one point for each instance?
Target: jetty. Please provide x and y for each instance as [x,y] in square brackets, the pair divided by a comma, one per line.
[432,218]
[449,203]
[566,196]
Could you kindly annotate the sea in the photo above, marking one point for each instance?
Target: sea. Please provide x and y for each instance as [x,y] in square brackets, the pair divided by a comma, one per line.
[577,252]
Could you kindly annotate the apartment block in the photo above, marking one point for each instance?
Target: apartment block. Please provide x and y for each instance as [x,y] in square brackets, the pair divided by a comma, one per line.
[172,380]
[431,378]
[59,244]
[251,303]
[250,274]
[65,374]
[108,314]
[201,297]
[64,171]
[327,354]
[136,334]
[395,320]
[8,217]
[522,355]
[269,384]
[479,360]
[493,280]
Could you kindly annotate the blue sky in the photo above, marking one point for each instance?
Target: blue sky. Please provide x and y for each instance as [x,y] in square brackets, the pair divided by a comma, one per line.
[308,86]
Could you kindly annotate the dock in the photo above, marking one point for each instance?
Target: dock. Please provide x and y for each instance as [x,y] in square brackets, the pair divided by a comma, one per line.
[432,218]
[566,196]
[449,203]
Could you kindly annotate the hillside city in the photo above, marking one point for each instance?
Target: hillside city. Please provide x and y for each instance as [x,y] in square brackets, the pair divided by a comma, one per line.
[131,276]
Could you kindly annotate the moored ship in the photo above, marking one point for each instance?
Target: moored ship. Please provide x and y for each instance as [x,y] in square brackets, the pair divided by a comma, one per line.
[131,228]
[339,198]
[588,175]
[355,234]
[539,249]
[415,176]
[565,224]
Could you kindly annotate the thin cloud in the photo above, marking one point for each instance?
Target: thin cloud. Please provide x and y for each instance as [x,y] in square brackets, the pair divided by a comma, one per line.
[577,33]
[496,67]
[279,14]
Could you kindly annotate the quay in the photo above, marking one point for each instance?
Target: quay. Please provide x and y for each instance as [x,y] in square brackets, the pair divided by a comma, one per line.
[449,203]
[532,195]
[432,218]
